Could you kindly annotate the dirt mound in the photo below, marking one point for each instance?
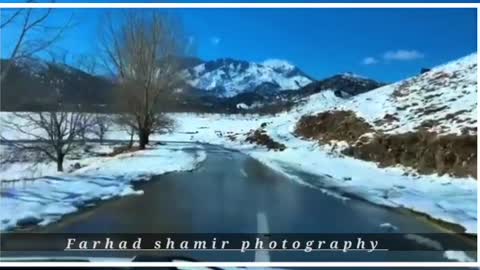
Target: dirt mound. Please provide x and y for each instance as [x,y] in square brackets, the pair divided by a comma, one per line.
[333,125]
[425,151]
[260,137]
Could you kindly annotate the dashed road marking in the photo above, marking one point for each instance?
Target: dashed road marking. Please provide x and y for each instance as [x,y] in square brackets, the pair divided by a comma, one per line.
[244,173]
[262,228]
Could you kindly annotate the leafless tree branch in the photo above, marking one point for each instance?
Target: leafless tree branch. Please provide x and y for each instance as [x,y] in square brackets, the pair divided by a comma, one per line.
[33,34]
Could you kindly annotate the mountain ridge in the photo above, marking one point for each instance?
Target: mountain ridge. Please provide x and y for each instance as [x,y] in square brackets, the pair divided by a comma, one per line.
[227,83]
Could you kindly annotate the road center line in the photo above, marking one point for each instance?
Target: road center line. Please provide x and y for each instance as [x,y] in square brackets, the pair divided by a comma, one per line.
[262,228]
[242,171]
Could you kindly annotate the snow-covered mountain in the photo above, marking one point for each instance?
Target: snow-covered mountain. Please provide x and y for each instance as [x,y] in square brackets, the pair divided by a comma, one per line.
[228,77]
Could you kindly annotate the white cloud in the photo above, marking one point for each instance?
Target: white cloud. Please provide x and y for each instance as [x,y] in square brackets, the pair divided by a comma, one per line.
[369,61]
[403,55]
[215,40]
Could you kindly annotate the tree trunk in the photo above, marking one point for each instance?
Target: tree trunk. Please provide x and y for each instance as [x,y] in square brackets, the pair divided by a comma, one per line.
[130,143]
[60,162]
[143,138]
[83,136]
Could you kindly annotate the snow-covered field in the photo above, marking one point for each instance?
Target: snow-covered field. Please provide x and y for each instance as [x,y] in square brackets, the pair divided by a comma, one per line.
[27,166]
[47,198]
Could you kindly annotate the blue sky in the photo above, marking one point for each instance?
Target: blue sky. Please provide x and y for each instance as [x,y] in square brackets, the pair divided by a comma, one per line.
[385,44]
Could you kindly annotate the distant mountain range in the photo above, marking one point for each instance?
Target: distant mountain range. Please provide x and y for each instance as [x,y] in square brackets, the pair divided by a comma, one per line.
[229,77]
[224,85]
[33,84]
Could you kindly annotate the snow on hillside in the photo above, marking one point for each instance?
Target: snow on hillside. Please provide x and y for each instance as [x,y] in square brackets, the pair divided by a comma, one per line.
[278,64]
[353,76]
[229,77]
[443,100]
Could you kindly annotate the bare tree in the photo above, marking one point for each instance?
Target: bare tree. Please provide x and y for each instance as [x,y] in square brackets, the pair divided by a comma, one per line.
[53,134]
[127,123]
[101,124]
[85,126]
[33,33]
[142,49]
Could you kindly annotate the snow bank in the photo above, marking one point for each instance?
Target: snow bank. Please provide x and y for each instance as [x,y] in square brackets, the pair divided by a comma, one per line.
[442,197]
[142,165]
[456,255]
[46,199]
[27,168]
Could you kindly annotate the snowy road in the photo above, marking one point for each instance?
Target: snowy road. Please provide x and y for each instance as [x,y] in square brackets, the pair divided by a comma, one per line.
[233,193]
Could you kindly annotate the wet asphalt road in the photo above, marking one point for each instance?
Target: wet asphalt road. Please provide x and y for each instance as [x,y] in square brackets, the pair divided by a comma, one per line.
[233,193]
